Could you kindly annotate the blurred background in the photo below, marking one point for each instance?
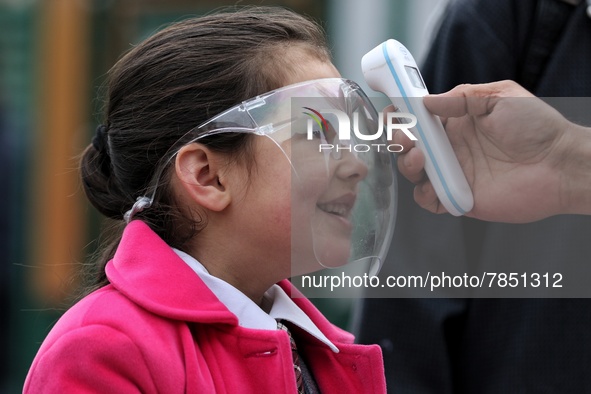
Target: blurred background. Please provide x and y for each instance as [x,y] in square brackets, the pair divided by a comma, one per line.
[54,55]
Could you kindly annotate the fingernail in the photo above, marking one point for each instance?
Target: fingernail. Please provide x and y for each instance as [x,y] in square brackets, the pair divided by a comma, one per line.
[406,160]
[424,187]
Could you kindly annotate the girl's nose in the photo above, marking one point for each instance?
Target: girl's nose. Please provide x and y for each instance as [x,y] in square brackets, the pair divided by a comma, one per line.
[350,167]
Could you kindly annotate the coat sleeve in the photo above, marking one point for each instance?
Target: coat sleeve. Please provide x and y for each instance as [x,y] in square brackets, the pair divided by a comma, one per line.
[478,41]
[91,359]
[420,337]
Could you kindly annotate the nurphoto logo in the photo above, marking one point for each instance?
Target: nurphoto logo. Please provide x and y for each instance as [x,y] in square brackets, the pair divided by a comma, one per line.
[341,134]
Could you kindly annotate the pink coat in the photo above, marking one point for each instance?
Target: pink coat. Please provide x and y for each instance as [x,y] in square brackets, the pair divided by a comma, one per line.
[158,329]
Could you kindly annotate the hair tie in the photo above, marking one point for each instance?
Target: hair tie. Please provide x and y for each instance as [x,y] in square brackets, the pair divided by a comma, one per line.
[100,139]
[140,204]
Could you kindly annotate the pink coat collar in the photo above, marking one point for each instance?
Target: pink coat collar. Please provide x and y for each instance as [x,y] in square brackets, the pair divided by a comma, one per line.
[147,271]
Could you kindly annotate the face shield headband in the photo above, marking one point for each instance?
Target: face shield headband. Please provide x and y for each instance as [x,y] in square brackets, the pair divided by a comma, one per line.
[343,197]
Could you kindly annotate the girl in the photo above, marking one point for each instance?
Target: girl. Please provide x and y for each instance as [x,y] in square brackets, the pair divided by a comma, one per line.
[223,192]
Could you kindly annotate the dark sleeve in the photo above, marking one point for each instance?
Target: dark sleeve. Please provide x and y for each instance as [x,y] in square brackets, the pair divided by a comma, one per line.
[421,336]
[478,41]
[418,335]
[487,345]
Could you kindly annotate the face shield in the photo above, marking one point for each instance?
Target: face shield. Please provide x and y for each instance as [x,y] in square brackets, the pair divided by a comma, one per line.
[342,182]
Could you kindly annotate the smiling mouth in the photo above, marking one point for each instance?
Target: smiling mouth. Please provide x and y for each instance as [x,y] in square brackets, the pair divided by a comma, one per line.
[340,207]
[341,210]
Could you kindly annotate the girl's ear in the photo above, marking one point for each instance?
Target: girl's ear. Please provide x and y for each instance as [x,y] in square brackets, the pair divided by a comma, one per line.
[199,172]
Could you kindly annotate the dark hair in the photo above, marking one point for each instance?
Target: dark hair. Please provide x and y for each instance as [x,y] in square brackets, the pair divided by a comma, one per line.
[174,81]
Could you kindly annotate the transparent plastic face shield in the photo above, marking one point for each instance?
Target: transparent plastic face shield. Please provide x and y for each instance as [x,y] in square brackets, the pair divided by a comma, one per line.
[343,187]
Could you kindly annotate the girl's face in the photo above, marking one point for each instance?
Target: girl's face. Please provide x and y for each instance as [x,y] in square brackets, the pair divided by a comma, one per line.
[300,210]
[324,190]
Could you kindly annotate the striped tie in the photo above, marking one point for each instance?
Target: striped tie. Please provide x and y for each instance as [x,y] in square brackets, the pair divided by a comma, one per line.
[296,358]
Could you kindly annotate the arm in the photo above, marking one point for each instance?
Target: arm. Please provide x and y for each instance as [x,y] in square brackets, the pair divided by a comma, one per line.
[93,359]
[524,161]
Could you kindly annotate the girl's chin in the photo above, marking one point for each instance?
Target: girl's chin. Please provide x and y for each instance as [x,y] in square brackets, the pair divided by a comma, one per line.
[311,264]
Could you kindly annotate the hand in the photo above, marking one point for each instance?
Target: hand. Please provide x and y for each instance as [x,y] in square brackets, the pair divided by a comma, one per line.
[515,150]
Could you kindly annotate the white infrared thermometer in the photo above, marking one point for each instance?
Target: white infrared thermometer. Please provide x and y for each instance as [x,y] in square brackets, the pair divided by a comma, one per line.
[390,69]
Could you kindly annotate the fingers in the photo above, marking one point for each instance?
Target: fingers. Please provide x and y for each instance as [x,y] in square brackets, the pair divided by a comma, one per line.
[426,198]
[390,108]
[412,165]
[411,161]
[402,139]
[462,100]
[469,99]
[446,106]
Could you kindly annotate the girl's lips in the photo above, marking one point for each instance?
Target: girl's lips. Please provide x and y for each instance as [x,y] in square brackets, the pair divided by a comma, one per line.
[340,206]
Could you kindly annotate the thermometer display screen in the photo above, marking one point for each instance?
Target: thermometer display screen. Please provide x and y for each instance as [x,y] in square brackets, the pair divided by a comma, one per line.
[415,77]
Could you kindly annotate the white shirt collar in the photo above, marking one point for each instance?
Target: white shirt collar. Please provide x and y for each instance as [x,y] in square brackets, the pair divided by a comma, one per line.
[249,314]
